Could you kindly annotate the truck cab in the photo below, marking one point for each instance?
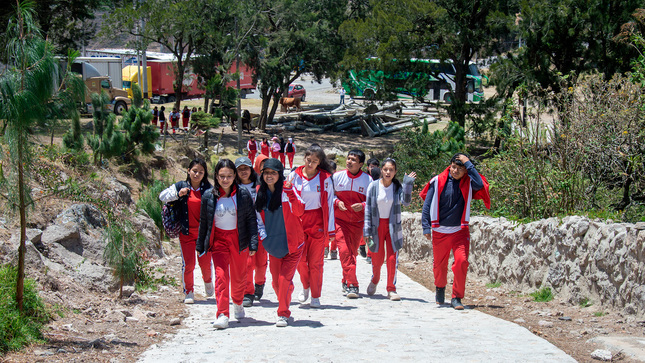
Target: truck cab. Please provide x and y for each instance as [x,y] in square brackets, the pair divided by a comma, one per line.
[119,98]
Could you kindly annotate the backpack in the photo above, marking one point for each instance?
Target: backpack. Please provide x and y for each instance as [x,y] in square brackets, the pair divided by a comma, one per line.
[170,220]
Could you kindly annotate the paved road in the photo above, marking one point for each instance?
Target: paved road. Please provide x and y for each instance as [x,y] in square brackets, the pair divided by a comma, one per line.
[365,329]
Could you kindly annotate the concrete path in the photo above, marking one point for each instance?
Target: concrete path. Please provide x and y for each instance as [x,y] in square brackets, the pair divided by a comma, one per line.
[365,329]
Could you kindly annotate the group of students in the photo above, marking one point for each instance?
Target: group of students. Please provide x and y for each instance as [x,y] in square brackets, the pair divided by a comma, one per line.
[159,117]
[277,149]
[253,213]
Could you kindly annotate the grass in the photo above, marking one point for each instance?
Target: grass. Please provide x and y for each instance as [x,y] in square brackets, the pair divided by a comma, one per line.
[542,295]
[19,329]
[599,313]
[585,303]
[492,285]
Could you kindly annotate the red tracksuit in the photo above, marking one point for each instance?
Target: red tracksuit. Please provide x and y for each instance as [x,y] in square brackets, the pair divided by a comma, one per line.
[350,189]
[252,147]
[257,262]
[385,243]
[317,221]
[185,116]
[459,243]
[264,147]
[290,150]
[283,269]
[187,244]
[225,250]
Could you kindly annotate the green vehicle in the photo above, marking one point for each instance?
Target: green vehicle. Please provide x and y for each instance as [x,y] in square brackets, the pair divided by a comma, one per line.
[431,80]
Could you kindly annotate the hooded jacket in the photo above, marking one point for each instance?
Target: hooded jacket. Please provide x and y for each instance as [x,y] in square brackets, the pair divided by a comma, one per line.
[171,194]
[293,207]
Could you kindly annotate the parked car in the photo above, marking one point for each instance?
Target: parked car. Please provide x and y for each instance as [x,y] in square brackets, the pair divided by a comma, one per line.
[297,90]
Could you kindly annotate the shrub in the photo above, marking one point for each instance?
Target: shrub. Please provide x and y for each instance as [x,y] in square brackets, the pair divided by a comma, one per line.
[542,295]
[16,329]
[149,199]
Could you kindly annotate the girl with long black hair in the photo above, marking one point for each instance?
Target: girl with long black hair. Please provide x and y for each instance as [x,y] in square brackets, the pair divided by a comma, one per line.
[279,209]
[228,230]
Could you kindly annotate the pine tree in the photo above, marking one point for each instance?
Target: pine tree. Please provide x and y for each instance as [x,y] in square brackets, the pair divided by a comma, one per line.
[106,141]
[73,139]
[140,134]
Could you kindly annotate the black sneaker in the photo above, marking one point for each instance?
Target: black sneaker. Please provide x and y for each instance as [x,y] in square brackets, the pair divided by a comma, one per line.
[247,301]
[352,292]
[344,288]
[361,250]
[333,255]
[259,291]
[440,295]
[456,303]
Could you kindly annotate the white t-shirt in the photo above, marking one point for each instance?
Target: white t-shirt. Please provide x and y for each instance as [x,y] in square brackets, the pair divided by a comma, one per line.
[251,189]
[385,199]
[310,192]
[226,214]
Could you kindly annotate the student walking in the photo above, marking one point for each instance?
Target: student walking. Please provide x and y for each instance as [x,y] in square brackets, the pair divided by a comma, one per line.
[247,178]
[382,229]
[275,148]
[252,148]
[281,152]
[331,249]
[162,118]
[445,219]
[290,150]
[350,187]
[155,115]
[185,117]
[188,197]
[174,119]
[228,230]
[279,210]
[264,147]
[312,182]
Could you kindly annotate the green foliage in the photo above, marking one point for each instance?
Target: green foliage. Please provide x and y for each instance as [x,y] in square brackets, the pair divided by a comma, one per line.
[599,313]
[427,153]
[493,285]
[585,302]
[148,280]
[149,199]
[123,249]
[73,139]
[106,141]
[204,120]
[542,295]
[140,134]
[19,329]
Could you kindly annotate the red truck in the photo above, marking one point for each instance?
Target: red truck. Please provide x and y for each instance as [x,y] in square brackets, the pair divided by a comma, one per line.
[162,78]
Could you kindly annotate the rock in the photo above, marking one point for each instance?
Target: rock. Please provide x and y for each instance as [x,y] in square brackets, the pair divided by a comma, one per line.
[184,161]
[144,224]
[546,324]
[118,192]
[175,321]
[601,354]
[565,318]
[127,291]
[85,215]
[114,316]
[68,236]
[519,321]
[131,319]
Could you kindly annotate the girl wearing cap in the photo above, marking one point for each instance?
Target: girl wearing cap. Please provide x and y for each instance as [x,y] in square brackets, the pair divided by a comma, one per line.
[312,181]
[264,147]
[228,230]
[188,195]
[382,227]
[247,178]
[279,209]
[290,150]
[275,148]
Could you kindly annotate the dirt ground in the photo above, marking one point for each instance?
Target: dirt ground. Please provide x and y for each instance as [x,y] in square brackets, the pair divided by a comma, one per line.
[90,326]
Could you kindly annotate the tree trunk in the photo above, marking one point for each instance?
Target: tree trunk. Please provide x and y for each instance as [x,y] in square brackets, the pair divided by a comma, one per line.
[20,282]
[266,98]
[274,108]
[206,99]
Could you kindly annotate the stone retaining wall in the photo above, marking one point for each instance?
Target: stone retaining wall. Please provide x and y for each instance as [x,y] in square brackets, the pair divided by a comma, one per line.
[575,256]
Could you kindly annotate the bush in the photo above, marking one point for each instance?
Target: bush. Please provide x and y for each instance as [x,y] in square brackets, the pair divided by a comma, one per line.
[19,329]
[542,295]
[149,199]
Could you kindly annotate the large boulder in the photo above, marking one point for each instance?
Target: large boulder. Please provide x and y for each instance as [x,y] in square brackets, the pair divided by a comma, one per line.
[147,227]
[118,192]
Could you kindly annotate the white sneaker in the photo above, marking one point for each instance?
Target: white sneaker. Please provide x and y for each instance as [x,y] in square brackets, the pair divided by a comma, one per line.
[304,295]
[371,288]
[281,322]
[315,302]
[190,298]
[238,311]
[393,296]
[221,322]
[210,289]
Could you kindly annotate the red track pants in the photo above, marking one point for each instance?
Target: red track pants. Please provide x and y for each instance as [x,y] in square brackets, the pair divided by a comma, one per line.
[348,236]
[385,244]
[282,271]
[225,250]
[257,262]
[252,155]
[188,257]
[290,156]
[459,243]
[333,245]
[311,264]
[282,159]
[184,121]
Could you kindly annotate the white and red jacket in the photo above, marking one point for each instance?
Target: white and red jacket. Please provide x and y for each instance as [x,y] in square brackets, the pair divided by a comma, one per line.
[350,189]
[293,207]
[322,184]
[252,145]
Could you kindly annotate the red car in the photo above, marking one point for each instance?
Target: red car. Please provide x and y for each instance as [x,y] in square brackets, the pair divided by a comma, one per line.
[297,90]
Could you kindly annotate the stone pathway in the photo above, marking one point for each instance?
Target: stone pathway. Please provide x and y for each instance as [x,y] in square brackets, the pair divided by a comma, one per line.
[364,329]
